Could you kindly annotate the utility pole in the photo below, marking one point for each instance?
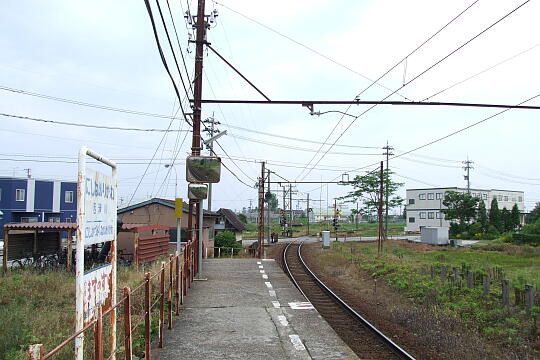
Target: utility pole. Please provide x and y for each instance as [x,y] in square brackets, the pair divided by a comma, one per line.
[269,198]
[196,205]
[387,180]
[381,229]
[211,130]
[335,219]
[307,212]
[261,211]
[290,211]
[467,177]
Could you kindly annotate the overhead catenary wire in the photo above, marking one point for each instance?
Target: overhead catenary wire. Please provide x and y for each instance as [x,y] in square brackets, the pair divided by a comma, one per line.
[480,72]
[418,47]
[318,53]
[421,74]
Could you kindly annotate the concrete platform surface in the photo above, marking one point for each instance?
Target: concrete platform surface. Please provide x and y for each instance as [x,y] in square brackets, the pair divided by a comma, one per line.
[243,311]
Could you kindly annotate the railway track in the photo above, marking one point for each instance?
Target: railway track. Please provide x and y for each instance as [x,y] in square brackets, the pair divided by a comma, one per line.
[361,336]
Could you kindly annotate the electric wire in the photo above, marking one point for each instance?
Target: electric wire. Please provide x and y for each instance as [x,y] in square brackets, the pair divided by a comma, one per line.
[419,47]
[418,76]
[163,60]
[304,46]
[179,46]
[88,125]
[481,72]
[171,46]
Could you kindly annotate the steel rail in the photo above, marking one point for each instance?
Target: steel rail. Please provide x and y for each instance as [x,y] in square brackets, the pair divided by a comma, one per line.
[289,271]
[391,344]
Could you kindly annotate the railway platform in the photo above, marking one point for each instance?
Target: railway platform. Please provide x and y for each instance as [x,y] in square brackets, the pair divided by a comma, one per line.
[249,309]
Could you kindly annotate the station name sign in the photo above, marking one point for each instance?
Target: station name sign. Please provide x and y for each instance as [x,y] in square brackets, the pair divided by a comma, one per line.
[100,207]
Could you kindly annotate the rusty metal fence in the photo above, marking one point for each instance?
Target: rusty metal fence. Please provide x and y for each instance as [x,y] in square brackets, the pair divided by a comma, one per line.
[161,293]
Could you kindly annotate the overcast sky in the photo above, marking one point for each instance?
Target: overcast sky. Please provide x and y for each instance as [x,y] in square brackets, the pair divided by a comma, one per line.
[103,52]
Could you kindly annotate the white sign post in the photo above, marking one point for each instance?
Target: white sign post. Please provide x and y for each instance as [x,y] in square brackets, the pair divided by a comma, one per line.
[96,220]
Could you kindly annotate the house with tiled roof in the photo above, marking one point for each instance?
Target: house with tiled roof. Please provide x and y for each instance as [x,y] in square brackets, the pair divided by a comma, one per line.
[229,221]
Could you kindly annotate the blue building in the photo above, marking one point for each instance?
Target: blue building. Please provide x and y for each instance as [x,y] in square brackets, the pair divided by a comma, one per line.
[33,200]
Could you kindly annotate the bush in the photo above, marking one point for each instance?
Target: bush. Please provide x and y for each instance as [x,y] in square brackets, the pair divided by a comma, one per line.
[529,239]
[227,240]
[475,228]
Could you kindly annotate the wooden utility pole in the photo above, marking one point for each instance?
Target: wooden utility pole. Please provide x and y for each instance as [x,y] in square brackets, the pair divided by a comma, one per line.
[197,110]
[261,211]
[387,183]
[381,228]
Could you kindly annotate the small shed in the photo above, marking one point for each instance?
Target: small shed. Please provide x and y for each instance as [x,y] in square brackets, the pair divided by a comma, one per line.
[142,243]
[434,235]
[35,238]
[229,221]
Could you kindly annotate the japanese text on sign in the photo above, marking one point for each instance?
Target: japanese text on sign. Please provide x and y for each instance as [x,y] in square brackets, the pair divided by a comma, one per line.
[97,290]
[100,207]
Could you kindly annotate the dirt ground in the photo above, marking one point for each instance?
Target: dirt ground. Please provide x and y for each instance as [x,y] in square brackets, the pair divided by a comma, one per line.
[421,330]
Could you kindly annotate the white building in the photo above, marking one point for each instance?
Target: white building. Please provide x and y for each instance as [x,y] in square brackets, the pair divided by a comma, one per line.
[424,205]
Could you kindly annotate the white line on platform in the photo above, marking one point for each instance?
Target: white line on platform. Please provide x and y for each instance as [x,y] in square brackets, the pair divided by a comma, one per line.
[261,271]
[258,262]
[268,260]
[283,320]
[268,284]
[260,266]
[272,293]
[265,276]
[276,304]
[297,343]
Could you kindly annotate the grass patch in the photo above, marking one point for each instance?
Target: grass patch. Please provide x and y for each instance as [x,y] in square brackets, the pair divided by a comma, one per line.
[399,267]
[39,307]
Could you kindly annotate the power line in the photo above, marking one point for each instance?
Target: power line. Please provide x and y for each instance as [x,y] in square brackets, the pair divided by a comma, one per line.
[171,46]
[163,60]
[304,46]
[297,139]
[418,47]
[82,103]
[88,125]
[179,46]
[418,76]
[279,145]
[452,133]
[481,72]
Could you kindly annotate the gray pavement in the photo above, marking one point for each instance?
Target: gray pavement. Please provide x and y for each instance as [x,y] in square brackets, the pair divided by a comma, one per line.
[243,311]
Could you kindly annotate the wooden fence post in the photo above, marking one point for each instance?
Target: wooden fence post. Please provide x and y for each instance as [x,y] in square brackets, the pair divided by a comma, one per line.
[444,276]
[456,276]
[432,268]
[98,336]
[147,316]
[178,284]
[486,284]
[161,303]
[529,296]
[470,279]
[127,323]
[506,292]
[423,270]
[170,291]
[35,352]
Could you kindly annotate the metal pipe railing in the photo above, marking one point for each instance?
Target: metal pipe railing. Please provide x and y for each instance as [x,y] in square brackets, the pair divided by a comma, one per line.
[180,267]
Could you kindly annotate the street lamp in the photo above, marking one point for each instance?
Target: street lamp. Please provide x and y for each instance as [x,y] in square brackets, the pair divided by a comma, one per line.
[178,237]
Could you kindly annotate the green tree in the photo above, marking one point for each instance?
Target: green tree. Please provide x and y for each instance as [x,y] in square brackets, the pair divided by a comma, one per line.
[482,217]
[242,218]
[495,218]
[366,192]
[516,218]
[460,207]
[533,215]
[273,203]
[506,219]
[227,241]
